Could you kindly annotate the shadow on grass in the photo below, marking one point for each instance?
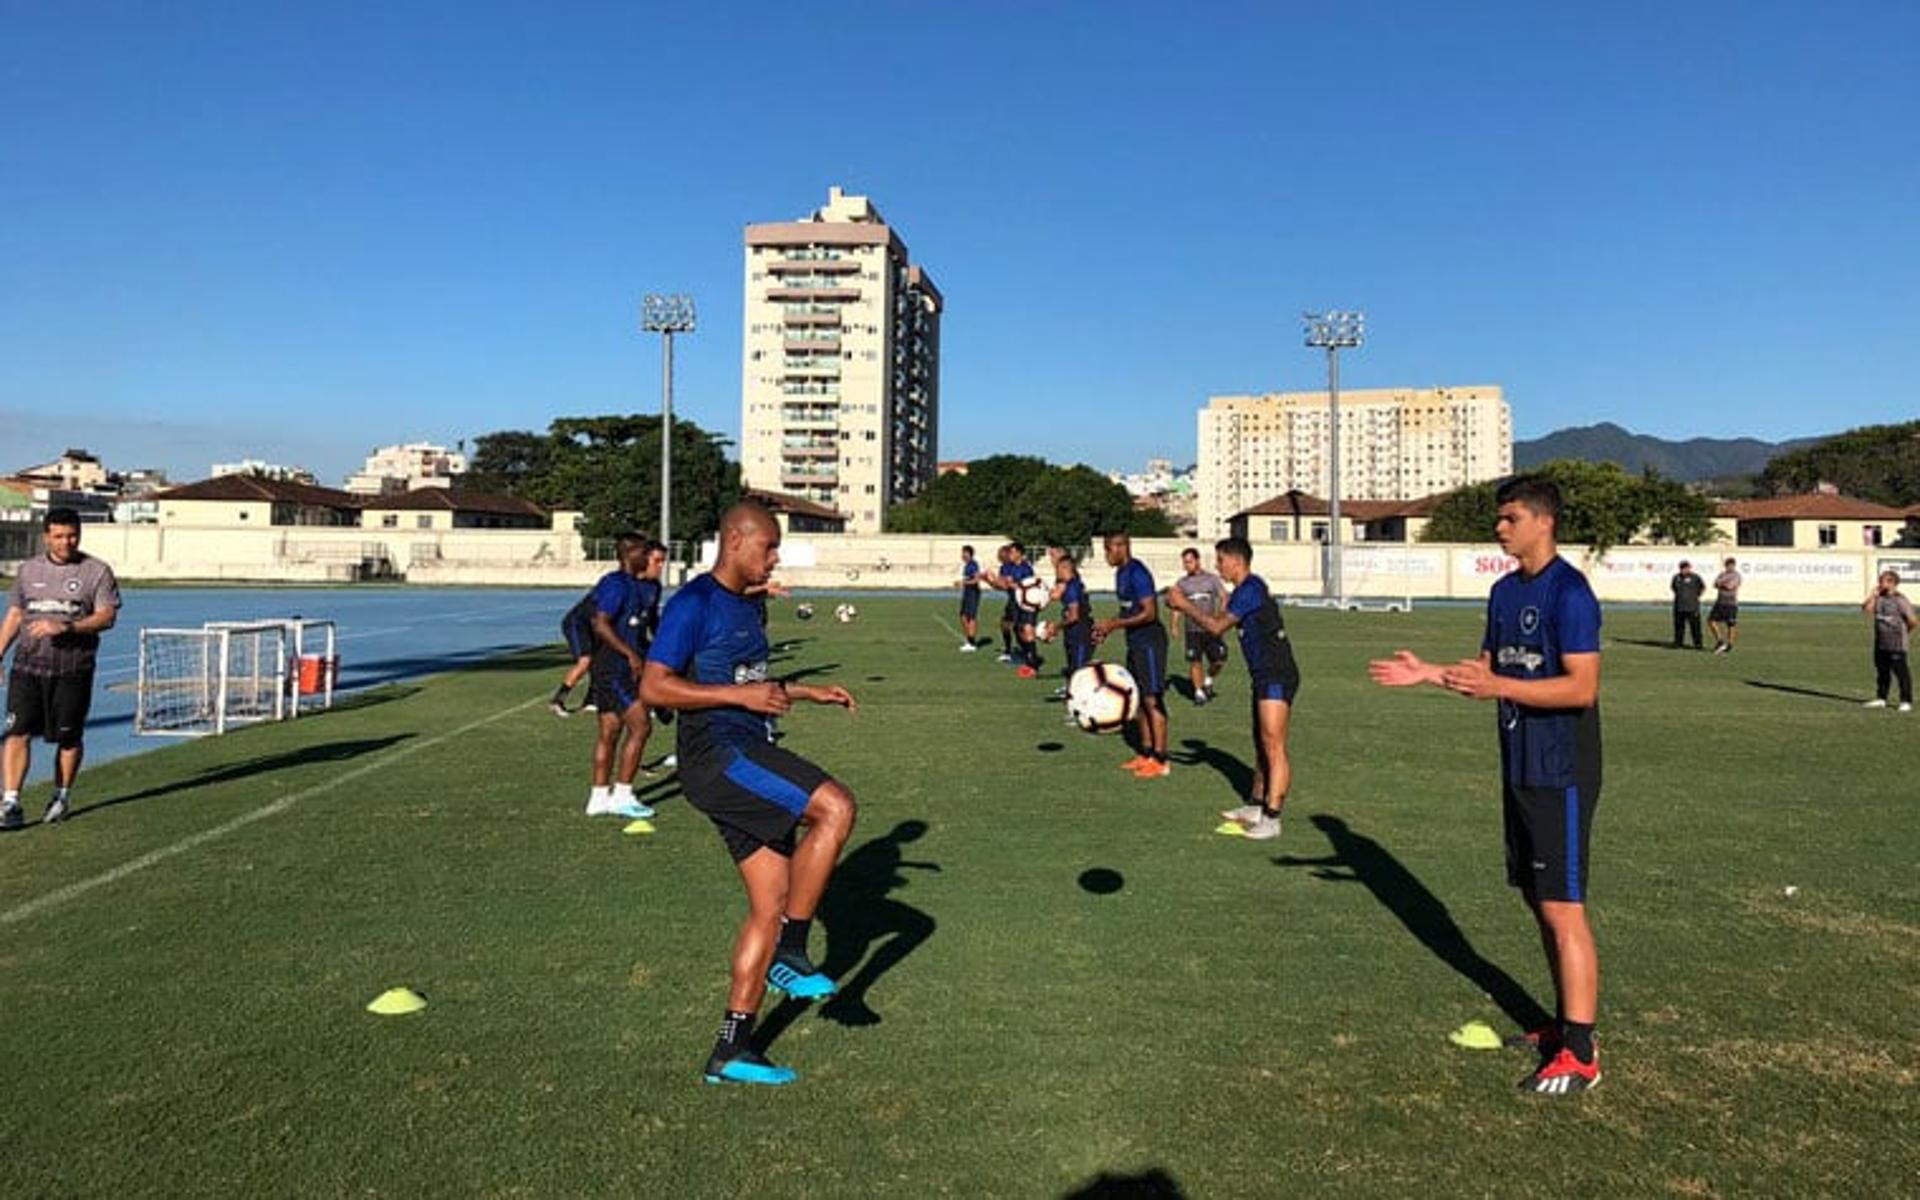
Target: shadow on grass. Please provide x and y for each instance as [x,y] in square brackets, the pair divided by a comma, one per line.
[1795,690]
[503,656]
[1426,918]
[860,915]
[809,672]
[1653,643]
[1154,1184]
[1238,774]
[325,752]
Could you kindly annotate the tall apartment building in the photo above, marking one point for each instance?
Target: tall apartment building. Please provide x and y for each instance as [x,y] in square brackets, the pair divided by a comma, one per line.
[393,469]
[840,382]
[1395,444]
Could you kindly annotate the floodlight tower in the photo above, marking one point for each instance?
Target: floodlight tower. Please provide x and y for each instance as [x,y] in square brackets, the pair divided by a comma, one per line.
[666,315]
[1331,331]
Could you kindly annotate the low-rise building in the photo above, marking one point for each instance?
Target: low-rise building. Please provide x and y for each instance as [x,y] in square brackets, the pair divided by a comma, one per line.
[252,501]
[73,471]
[1813,521]
[1297,516]
[797,514]
[452,508]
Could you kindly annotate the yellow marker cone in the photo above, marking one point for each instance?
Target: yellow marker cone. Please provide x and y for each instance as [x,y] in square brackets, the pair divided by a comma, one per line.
[635,828]
[1230,829]
[1476,1035]
[397,1002]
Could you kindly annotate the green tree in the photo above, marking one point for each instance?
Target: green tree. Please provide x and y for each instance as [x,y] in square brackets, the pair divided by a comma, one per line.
[1601,506]
[1029,499]
[1466,514]
[1875,462]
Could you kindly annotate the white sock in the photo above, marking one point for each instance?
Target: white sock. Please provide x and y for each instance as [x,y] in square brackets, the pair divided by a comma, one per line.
[60,793]
[11,800]
[623,791]
[599,793]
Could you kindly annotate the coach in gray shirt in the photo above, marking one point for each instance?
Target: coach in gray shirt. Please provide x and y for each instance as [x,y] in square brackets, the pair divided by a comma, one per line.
[1687,590]
[60,604]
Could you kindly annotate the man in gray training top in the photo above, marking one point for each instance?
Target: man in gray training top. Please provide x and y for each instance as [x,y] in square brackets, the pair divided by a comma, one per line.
[1724,620]
[60,604]
[1688,587]
[1893,624]
[1206,652]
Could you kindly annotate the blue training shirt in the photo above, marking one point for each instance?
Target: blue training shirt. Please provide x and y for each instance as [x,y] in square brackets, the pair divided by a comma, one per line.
[971,573]
[629,605]
[1074,593]
[1263,633]
[1531,623]
[711,635]
[1133,584]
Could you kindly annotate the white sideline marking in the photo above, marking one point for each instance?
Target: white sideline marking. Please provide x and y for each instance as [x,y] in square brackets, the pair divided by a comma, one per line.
[60,896]
[950,629]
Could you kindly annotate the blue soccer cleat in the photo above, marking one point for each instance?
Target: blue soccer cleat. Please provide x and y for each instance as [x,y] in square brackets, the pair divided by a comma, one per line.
[748,1067]
[799,978]
[635,811]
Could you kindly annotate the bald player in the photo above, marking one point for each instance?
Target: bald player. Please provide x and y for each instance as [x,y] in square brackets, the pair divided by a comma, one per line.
[783,819]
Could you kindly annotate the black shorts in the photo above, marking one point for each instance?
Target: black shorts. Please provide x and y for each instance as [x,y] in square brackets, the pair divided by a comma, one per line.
[1079,649]
[1724,614]
[53,707]
[1203,645]
[754,794]
[578,631]
[970,602]
[610,685]
[1147,660]
[1268,687]
[1548,833]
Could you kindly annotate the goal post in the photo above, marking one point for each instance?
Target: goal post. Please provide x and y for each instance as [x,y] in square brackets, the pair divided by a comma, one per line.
[194,682]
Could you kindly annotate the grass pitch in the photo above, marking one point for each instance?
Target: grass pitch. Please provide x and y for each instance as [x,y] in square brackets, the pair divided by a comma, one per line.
[183,966]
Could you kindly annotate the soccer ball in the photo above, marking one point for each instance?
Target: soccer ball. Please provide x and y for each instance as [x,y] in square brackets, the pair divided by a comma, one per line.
[1042,630]
[1102,697]
[845,613]
[1033,595]
[803,610]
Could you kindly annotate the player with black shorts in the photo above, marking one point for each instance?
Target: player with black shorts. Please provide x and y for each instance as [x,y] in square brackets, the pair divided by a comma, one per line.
[625,614]
[1273,676]
[1206,651]
[1146,653]
[969,584]
[1014,571]
[60,604]
[1540,662]
[576,629]
[783,819]
[1076,617]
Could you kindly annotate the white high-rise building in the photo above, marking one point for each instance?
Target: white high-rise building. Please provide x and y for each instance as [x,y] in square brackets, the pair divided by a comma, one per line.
[404,468]
[840,381]
[1395,444]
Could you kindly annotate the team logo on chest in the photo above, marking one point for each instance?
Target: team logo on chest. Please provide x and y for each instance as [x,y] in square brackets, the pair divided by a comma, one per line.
[1529,619]
[73,586]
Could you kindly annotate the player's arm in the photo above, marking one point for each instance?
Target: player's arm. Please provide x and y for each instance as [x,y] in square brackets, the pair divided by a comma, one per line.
[1148,614]
[9,628]
[663,687]
[1407,669]
[1216,624]
[1578,686]
[99,620]
[824,693]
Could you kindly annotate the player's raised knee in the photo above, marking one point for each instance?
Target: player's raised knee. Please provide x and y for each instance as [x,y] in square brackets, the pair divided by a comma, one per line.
[832,806]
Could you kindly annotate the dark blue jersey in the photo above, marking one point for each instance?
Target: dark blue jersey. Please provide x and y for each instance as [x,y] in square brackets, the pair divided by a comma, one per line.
[711,635]
[632,605]
[1133,584]
[1263,634]
[1531,623]
[971,573]
[1075,594]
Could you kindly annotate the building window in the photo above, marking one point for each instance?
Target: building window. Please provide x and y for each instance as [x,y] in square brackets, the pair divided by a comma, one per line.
[1871,535]
[1276,531]
[390,521]
[423,521]
[1829,536]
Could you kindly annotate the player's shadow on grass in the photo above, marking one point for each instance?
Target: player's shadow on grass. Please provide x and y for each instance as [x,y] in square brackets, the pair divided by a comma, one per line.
[1652,643]
[1400,890]
[1153,1184]
[1239,775]
[325,752]
[863,921]
[1796,690]
[809,671]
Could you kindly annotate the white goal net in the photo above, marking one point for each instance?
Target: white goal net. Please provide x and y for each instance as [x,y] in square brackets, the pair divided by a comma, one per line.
[201,681]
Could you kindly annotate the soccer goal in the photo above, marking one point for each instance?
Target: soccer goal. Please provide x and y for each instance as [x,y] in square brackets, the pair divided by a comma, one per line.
[313,660]
[194,682]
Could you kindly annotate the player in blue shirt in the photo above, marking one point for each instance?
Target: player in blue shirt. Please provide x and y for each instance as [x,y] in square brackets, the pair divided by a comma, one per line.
[709,662]
[626,610]
[969,584]
[1014,571]
[1540,663]
[1146,652]
[1271,670]
[576,628]
[1076,616]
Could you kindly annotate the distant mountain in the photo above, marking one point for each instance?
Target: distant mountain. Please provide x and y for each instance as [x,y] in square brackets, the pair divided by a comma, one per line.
[1690,461]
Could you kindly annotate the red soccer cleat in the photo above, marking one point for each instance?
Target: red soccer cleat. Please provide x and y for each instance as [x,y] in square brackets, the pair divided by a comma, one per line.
[1563,1075]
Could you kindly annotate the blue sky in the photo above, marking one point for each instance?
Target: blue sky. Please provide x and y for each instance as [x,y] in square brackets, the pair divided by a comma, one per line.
[299,231]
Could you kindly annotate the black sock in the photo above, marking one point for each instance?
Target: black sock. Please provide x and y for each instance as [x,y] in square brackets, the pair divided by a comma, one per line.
[1578,1037]
[1159,756]
[560,693]
[793,934]
[734,1032]
[1269,812]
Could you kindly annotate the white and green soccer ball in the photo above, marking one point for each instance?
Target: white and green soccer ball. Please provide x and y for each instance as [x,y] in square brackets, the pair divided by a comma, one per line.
[1102,697]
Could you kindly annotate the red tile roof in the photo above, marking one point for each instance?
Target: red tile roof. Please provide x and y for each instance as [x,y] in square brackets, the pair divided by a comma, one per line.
[793,506]
[1305,504]
[433,499]
[1812,506]
[253,488]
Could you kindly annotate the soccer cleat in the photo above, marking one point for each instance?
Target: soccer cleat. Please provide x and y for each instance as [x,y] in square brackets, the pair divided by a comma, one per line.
[1246,814]
[671,760]
[969,648]
[1905,707]
[1135,763]
[1003,658]
[633,810]
[56,811]
[1154,769]
[1563,1075]
[748,1066]
[608,806]
[12,818]
[558,709]
[1875,703]
[795,975]
[1264,830]
[1200,698]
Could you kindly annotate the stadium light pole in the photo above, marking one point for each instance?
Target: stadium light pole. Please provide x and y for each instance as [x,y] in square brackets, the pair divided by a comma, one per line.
[1333,331]
[666,315]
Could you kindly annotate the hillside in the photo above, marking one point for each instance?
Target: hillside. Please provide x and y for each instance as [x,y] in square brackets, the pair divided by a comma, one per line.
[1688,461]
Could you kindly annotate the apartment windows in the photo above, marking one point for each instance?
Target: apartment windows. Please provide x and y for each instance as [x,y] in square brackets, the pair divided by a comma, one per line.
[1829,536]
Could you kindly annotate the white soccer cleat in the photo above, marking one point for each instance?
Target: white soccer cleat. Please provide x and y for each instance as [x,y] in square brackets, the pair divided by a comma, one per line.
[1876,703]
[1246,814]
[968,648]
[1905,707]
[601,803]
[1264,830]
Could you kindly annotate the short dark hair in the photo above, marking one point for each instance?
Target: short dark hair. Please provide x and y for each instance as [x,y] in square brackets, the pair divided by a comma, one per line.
[1538,493]
[60,516]
[1016,547]
[1239,547]
[629,541]
[1193,550]
[654,548]
[1685,565]
[966,549]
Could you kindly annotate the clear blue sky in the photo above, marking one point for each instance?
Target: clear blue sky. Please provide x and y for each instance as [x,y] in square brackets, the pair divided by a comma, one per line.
[303,230]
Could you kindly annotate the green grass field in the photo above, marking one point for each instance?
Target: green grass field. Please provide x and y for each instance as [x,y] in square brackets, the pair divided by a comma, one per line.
[184,965]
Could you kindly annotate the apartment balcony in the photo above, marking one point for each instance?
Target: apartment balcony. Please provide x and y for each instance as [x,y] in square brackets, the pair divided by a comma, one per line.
[810,450]
[803,317]
[812,295]
[814,266]
[797,417]
[811,344]
[789,477]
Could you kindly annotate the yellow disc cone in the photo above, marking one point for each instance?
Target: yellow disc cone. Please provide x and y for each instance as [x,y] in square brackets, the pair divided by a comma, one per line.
[1475,1035]
[395,1002]
[1230,829]
[636,828]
